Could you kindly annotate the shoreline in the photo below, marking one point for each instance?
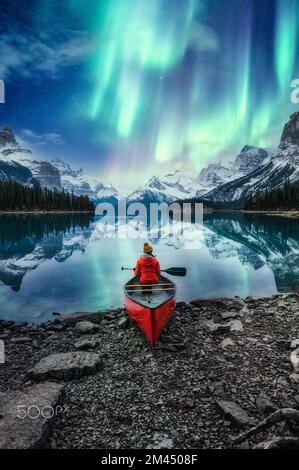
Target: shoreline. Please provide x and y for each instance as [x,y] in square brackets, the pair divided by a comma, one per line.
[118,392]
[287,214]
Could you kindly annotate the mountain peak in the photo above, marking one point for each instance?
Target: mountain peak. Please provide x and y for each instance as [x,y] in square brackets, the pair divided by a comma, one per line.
[290,135]
[7,137]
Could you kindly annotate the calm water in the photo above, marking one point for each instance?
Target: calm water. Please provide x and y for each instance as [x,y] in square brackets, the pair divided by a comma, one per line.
[63,263]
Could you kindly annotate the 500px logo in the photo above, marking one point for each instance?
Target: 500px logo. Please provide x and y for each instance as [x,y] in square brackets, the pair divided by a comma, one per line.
[2,92]
[34,411]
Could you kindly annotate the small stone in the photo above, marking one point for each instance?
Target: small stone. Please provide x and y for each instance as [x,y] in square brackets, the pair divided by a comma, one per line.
[265,405]
[295,359]
[21,340]
[295,344]
[236,326]
[123,323]
[86,327]
[226,343]
[188,403]
[229,315]
[217,328]
[56,327]
[86,344]
[282,344]
[295,378]
[4,336]
[7,323]
[109,317]
[161,441]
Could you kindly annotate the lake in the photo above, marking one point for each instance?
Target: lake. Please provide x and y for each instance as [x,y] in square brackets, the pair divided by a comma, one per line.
[64,263]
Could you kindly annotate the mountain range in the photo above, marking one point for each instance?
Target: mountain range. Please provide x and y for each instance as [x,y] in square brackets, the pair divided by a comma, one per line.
[253,170]
[22,165]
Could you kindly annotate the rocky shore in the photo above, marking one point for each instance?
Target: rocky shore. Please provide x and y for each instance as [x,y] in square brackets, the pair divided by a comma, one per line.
[92,380]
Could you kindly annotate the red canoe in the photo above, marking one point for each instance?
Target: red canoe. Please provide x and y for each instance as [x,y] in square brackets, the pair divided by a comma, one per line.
[150,306]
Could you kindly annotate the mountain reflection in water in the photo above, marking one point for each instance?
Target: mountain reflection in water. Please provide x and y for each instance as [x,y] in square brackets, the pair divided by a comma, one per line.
[63,262]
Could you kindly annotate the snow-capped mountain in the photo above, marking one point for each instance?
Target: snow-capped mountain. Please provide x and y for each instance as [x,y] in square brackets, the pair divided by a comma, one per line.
[272,168]
[177,186]
[77,182]
[168,188]
[249,159]
[11,153]
[21,165]
[15,171]
[214,175]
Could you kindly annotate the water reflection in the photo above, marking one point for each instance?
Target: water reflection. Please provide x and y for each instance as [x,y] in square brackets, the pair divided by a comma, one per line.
[26,241]
[262,240]
[66,263]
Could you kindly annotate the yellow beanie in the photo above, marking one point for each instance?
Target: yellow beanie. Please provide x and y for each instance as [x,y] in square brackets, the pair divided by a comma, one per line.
[147,248]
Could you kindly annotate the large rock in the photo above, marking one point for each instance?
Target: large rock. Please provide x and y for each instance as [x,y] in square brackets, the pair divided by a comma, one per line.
[86,327]
[26,417]
[235,413]
[66,366]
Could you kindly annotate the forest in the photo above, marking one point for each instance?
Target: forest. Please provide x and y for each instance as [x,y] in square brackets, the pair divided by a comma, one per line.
[283,198]
[16,197]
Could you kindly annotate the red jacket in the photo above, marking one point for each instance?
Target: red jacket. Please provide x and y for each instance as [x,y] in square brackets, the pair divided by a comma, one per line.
[148,268]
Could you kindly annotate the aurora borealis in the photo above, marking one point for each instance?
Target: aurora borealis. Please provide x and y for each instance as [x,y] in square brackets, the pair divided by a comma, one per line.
[138,87]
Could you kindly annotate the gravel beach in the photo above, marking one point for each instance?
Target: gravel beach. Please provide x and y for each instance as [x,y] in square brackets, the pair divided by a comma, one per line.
[221,367]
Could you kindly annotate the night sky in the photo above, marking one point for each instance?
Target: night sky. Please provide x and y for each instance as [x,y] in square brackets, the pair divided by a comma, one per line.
[131,88]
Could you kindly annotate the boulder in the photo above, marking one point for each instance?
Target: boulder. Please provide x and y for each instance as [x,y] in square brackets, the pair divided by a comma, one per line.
[27,416]
[66,366]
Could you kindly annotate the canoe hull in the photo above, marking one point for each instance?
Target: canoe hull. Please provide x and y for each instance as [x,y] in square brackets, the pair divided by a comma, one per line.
[151,321]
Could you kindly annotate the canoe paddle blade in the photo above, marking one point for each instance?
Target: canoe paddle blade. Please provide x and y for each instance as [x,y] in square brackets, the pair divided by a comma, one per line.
[175,271]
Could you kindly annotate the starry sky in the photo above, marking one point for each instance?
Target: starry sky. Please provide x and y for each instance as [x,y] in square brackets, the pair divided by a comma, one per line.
[131,88]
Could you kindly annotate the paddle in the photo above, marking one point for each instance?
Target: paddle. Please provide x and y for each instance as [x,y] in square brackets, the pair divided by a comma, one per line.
[175,271]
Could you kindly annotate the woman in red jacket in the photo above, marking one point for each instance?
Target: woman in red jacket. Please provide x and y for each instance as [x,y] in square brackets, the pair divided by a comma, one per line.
[148,267]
